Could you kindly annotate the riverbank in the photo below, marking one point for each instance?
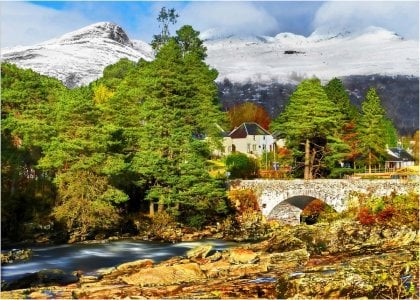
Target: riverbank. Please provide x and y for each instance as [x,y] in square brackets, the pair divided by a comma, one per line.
[344,259]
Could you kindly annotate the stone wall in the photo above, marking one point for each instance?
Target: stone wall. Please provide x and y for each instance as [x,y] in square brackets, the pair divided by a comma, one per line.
[334,192]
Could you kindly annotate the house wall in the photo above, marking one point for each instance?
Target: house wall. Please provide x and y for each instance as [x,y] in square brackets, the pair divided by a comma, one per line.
[252,144]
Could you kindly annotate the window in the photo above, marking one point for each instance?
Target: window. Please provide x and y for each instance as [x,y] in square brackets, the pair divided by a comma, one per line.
[263,147]
[254,147]
[248,148]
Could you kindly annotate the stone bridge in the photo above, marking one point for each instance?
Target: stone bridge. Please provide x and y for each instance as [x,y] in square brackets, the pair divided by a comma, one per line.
[285,199]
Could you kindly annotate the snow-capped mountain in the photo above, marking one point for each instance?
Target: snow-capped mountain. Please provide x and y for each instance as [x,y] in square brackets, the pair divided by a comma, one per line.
[288,57]
[79,57]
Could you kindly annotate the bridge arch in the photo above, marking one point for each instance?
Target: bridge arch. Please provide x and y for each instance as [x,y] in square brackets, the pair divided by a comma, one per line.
[290,210]
[273,195]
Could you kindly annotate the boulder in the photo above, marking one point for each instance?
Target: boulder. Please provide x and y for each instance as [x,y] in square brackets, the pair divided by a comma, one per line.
[242,256]
[42,278]
[199,251]
[166,275]
[138,264]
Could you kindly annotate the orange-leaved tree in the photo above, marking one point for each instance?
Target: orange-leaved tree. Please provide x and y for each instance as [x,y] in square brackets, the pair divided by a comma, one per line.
[248,112]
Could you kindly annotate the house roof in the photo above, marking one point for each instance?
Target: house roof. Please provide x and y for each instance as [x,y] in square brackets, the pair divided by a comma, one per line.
[398,154]
[246,129]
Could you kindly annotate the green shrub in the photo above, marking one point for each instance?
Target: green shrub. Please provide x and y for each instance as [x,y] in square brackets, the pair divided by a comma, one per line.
[239,165]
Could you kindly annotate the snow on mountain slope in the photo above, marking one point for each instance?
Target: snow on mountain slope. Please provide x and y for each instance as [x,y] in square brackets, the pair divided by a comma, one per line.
[79,57]
[290,58]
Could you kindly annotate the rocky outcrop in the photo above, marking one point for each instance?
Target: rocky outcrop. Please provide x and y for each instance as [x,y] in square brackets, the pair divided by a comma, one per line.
[51,277]
[15,255]
[166,275]
[339,260]
[388,275]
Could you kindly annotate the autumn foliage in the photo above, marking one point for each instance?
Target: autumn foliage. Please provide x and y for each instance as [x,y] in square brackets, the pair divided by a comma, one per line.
[248,112]
[366,217]
[243,200]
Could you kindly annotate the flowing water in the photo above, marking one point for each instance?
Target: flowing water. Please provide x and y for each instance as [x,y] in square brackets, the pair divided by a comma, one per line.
[91,257]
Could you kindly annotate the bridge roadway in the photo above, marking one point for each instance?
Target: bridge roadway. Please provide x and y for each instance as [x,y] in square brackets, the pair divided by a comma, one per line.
[285,199]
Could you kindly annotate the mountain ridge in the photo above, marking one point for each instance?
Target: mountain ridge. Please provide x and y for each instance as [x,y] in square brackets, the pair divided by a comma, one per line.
[79,57]
[261,69]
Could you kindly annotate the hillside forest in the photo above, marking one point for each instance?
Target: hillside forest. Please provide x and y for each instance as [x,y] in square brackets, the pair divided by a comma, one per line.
[139,141]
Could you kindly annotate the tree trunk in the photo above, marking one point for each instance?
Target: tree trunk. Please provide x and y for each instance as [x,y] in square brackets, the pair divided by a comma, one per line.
[161,206]
[370,161]
[151,209]
[311,164]
[307,160]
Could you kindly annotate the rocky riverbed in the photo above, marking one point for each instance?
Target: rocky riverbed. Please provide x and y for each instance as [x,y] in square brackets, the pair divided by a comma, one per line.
[339,260]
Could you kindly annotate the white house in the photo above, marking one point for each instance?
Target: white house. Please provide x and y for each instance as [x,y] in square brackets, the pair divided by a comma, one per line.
[398,158]
[249,138]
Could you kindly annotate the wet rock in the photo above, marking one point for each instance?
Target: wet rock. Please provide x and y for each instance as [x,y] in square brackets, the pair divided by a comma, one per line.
[42,278]
[199,251]
[242,256]
[215,257]
[134,265]
[166,275]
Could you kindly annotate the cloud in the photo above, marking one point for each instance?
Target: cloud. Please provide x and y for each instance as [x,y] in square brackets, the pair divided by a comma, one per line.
[24,23]
[229,17]
[398,16]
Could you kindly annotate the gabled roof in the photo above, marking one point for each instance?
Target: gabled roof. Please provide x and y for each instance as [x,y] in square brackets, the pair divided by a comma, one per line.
[398,154]
[246,129]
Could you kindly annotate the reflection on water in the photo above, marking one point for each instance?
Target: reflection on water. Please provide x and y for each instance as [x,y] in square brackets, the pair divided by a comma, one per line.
[91,257]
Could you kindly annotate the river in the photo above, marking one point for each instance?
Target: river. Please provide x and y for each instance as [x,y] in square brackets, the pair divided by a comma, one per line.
[91,257]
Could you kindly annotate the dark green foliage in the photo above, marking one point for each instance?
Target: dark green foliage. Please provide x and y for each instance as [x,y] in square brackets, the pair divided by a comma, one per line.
[309,119]
[27,192]
[375,129]
[239,165]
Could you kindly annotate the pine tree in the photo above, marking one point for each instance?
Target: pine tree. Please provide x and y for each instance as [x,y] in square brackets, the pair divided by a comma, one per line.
[346,141]
[309,118]
[372,128]
[80,156]
[176,102]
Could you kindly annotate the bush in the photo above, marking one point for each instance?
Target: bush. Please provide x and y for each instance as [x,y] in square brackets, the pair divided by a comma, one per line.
[365,217]
[197,221]
[239,165]
[243,200]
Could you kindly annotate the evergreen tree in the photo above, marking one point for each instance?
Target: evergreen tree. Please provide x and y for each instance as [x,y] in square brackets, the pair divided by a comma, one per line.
[80,156]
[346,141]
[309,118]
[372,128]
[26,191]
[175,100]
[188,39]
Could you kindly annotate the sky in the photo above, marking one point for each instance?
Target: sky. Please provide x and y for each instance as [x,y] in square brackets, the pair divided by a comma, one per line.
[28,23]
